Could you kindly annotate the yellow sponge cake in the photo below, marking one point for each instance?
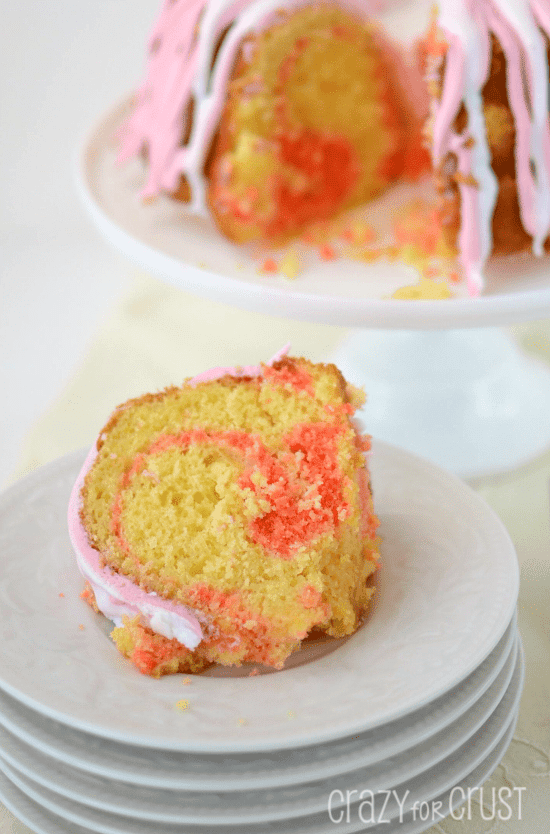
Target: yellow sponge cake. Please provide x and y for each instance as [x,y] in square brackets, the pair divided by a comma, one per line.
[223,520]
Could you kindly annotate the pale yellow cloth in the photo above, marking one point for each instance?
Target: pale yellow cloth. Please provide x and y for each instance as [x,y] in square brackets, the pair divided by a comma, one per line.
[160,335]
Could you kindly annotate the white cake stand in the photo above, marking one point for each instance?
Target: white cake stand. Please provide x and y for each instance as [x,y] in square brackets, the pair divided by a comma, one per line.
[443,379]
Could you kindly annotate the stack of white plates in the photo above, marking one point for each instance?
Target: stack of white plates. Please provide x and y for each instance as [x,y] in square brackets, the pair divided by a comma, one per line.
[386,731]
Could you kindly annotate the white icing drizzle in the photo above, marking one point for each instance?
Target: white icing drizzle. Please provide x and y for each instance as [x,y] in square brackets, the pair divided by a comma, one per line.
[467,25]
[181,68]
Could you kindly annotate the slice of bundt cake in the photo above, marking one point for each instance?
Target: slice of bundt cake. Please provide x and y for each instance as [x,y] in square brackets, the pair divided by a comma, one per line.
[271,116]
[224,520]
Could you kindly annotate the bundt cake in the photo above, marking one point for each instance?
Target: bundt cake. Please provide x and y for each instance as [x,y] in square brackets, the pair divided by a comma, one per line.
[488,77]
[224,520]
[269,118]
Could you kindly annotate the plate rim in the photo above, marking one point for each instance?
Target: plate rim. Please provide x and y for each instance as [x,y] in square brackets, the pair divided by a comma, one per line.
[503,730]
[71,462]
[218,783]
[512,679]
[473,779]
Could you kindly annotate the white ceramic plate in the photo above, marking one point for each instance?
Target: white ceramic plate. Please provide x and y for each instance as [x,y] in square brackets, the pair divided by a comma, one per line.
[43,821]
[178,771]
[235,806]
[447,592]
[191,253]
[422,788]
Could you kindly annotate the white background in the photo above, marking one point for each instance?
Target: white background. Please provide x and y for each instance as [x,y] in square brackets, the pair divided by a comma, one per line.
[62,65]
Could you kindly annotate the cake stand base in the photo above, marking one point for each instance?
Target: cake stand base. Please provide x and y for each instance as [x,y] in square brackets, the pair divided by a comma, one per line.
[469,400]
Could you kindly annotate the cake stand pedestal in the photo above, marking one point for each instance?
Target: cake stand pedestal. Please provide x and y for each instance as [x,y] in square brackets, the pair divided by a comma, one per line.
[469,400]
[442,380]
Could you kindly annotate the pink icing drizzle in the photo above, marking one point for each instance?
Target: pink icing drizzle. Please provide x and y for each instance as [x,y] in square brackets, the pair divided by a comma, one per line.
[181,69]
[238,372]
[467,26]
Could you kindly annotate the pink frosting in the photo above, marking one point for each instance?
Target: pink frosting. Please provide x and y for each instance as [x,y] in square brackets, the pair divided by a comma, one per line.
[238,372]
[117,595]
[467,26]
[182,69]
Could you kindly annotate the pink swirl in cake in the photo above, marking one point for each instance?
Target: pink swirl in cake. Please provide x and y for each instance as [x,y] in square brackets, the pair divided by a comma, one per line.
[116,596]
[223,520]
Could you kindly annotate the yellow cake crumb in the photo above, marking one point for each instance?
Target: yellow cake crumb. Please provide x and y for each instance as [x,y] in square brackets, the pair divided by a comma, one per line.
[290,264]
[426,288]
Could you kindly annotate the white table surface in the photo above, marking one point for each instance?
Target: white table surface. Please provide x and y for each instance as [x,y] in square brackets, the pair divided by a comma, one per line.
[61,65]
